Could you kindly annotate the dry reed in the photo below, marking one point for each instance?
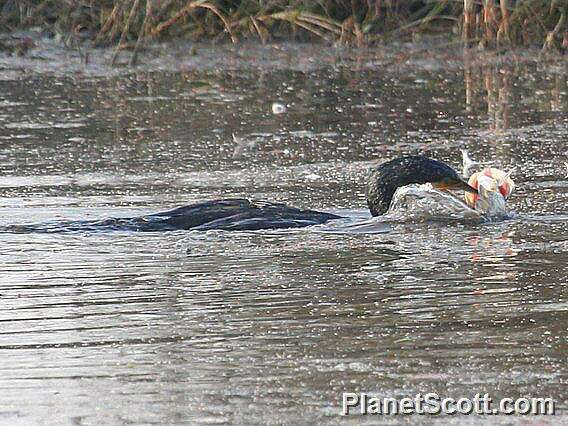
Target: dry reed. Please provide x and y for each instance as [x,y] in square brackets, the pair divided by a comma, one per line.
[128,23]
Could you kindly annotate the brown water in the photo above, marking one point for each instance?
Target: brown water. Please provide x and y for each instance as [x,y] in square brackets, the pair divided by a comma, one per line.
[272,327]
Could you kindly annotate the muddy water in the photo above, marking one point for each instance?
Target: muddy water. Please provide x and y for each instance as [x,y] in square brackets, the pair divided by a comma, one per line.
[272,327]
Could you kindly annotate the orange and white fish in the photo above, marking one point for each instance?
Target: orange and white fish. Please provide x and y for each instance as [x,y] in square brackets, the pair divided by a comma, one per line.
[494,186]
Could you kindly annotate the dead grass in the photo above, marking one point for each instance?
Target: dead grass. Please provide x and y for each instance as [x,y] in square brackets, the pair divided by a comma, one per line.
[129,23]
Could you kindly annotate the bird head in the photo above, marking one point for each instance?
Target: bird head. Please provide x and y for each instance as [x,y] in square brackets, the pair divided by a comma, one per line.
[454,182]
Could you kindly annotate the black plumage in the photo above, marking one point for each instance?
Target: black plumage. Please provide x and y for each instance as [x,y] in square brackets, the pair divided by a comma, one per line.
[241,214]
[387,177]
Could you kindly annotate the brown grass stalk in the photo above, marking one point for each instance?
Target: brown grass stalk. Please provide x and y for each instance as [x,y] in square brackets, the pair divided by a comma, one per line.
[131,15]
[360,22]
[107,25]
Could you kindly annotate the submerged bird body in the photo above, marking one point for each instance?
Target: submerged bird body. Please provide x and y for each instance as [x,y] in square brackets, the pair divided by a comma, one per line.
[387,177]
[242,214]
[239,214]
[235,214]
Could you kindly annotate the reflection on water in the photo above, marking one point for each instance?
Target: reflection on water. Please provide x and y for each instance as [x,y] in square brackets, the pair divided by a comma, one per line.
[493,93]
[260,327]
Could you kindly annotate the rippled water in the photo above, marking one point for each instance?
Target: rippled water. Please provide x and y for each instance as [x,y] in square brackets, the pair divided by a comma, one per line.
[272,327]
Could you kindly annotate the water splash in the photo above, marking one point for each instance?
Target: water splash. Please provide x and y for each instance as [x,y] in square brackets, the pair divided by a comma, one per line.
[424,202]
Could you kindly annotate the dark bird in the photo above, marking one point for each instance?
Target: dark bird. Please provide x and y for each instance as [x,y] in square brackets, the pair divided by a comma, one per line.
[387,177]
[242,214]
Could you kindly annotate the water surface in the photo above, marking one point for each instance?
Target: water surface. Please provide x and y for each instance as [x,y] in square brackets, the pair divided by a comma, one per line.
[272,327]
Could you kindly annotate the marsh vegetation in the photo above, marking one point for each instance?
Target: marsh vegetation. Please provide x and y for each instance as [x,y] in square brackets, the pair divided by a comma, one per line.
[127,23]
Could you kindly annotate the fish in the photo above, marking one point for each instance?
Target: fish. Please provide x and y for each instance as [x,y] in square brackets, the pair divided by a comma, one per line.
[494,187]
